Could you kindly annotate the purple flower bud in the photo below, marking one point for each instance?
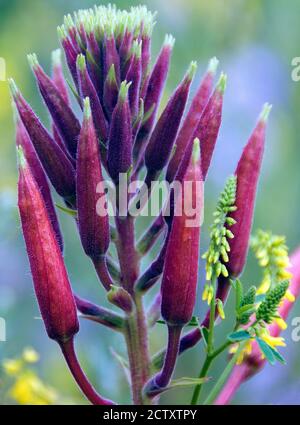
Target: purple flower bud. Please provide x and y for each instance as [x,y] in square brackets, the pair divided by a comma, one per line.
[111,56]
[124,51]
[111,91]
[87,89]
[155,88]
[62,115]
[192,119]
[120,137]
[247,172]
[70,53]
[51,282]
[23,140]
[209,125]
[134,75]
[93,228]
[163,137]
[180,274]
[56,164]
[58,76]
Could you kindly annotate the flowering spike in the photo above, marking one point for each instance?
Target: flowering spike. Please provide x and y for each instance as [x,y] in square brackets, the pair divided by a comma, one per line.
[62,115]
[120,137]
[51,282]
[192,118]
[163,137]
[56,164]
[93,227]
[247,173]
[23,141]
[87,89]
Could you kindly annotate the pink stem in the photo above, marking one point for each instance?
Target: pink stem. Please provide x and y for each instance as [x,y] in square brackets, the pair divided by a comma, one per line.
[103,273]
[236,379]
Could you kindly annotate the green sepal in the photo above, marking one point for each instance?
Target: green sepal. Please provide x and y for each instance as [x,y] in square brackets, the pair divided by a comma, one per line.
[238,336]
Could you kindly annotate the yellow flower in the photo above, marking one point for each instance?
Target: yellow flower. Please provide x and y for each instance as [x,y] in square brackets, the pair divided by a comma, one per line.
[289,296]
[244,353]
[12,367]
[265,285]
[30,355]
[272,340]
[29,389]
[208,294]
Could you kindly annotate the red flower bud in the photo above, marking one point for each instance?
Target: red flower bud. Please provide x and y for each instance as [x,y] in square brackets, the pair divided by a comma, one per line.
[62,115]
[180,273]
[23,140]
[209,125]
[111,91]
[120,137]
[163,137]
[87,89]
[192,119]
[51,282]
[93,228]
[134,75]
[247,172]
[56,164]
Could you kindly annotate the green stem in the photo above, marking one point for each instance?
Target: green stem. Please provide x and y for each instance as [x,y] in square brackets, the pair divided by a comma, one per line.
[221,381]
[210,341]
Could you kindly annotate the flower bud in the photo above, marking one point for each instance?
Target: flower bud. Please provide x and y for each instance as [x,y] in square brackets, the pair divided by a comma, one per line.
[121,298]
[51,282]
[23,141]
[155,87]
[134,75]
[56,164]
[247,172]
[192,118]
[163,137]
[70,53]
[180,273]
[87,89]
[93,228]
[62,115]
[120,137]
[111,91]
[209,124]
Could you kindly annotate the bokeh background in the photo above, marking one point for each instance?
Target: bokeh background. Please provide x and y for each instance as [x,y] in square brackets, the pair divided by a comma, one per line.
[255,42]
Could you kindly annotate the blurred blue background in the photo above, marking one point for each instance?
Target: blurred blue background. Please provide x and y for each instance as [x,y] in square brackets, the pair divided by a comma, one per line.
[255,43]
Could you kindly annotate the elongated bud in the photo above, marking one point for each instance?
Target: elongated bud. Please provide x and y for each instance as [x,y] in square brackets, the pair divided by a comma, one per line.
[93,226]
[23,141]
[163,137]
[87,89]
[180,274]
[156,84]
[51,282]
[120,137]
[121,298]
[247,172]
[134,75]
[58,76]
[56,164]
[70,54]
[62,115]
[192,119]
[209,124]
[111,90]
[111,56]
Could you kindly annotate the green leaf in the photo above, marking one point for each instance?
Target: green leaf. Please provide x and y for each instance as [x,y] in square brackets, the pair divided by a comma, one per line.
[277,355]
[204,333]
[66,210]
[238,336]
[266,350]
[185,382]
[249,308]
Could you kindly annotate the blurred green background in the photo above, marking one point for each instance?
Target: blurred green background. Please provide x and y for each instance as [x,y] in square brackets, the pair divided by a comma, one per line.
[255,42]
